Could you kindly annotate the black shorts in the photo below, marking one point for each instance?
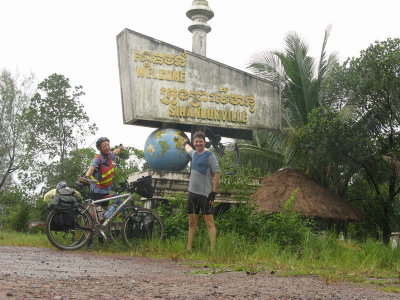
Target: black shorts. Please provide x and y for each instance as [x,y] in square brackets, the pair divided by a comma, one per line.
[98,196]
[197,203]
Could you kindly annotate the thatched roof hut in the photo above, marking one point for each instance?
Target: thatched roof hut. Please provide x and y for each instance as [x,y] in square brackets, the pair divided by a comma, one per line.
[312,199]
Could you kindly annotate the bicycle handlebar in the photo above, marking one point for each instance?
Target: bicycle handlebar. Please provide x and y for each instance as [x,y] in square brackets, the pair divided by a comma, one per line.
[84,181]
[88,180]
[142,186]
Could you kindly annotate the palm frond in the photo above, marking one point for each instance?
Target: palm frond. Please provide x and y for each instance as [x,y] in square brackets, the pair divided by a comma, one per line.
[301,80]
[325,66]
[300,71]
[265,154]
[267,65]
[265,160]
[323,63]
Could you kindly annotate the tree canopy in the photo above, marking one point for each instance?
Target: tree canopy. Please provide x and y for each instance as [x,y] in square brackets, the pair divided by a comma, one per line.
[59,124]
[363,145]
[15,92]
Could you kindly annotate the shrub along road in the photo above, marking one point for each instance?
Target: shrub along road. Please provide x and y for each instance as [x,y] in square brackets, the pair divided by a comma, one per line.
[28,273]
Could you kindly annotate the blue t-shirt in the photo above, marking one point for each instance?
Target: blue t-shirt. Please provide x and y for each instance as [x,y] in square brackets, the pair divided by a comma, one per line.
[202,169]
[97,173]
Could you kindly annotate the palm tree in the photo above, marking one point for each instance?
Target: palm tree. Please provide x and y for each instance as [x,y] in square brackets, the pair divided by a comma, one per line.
[302,83]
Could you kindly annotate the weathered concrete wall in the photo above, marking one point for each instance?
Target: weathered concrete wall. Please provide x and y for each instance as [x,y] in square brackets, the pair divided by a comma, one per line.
[168,183]
[165,85]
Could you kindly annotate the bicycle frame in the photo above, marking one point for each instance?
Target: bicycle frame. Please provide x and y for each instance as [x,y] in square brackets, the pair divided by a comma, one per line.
[93,203]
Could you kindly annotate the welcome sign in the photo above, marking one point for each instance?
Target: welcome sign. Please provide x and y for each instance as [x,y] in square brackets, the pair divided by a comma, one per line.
[163,85]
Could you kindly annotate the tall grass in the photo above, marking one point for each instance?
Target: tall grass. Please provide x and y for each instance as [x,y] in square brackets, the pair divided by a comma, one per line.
[325,256]
[248,240]
[14,238]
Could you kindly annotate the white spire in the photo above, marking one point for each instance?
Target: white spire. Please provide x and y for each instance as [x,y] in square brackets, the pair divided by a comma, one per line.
[199,13]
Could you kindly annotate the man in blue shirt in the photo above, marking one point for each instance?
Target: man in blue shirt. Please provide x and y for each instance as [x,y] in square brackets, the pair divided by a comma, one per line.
[203,186]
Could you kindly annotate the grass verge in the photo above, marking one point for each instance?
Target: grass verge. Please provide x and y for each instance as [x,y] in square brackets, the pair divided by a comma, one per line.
[369,262]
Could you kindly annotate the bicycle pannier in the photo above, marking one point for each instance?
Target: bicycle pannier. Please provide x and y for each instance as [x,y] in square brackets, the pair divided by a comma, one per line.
[135,226]
[148,222]
[140,225]
[144,187]
[65,205]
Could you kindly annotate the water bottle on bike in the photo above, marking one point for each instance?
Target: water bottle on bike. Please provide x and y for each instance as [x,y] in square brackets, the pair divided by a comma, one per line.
[112,208]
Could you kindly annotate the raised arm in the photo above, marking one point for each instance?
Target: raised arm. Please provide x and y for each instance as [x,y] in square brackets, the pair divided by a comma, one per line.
[187,146]
[118,150]
[90,171]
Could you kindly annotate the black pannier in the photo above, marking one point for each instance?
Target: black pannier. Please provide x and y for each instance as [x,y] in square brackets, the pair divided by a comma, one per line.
[148,222]
[140,225]
[134,226]
[65,205]
[144,188]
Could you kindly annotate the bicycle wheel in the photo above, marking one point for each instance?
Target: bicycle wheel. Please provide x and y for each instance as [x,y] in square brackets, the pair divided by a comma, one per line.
[143,224]
[71,238]
[114,228]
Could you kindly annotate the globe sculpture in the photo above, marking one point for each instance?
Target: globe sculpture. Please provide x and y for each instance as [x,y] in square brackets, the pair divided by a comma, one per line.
[164,150]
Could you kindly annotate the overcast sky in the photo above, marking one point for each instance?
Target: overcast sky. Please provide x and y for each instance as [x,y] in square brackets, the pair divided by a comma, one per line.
[77,38]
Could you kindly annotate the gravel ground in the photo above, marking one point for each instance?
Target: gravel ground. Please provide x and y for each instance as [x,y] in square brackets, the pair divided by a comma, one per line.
[36,273]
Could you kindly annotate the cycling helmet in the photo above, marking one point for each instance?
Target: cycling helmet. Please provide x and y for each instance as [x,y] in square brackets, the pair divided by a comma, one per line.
[100,140]
[61,185]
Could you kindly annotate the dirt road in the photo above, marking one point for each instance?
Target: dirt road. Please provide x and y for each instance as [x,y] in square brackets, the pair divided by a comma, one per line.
[36,273]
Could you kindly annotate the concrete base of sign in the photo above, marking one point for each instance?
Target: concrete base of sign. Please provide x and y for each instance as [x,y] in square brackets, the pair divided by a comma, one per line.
[168,183]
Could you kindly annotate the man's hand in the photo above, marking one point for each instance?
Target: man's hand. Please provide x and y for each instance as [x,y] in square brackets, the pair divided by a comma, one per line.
[85,179]
[186,142]
[211,196]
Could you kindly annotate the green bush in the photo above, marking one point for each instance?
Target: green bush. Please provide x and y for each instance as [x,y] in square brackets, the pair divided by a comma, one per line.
[287,229]
[174,215]
[236,179]
[39,211]
[18,217]
[17,209]
[240,219]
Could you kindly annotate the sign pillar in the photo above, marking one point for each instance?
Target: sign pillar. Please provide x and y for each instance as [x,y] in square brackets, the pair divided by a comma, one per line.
[199,13]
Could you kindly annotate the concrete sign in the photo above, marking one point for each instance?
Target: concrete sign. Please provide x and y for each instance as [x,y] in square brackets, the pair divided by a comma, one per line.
[163,85]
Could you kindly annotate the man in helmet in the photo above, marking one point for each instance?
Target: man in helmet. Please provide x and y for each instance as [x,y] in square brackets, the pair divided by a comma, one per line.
[102,169]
